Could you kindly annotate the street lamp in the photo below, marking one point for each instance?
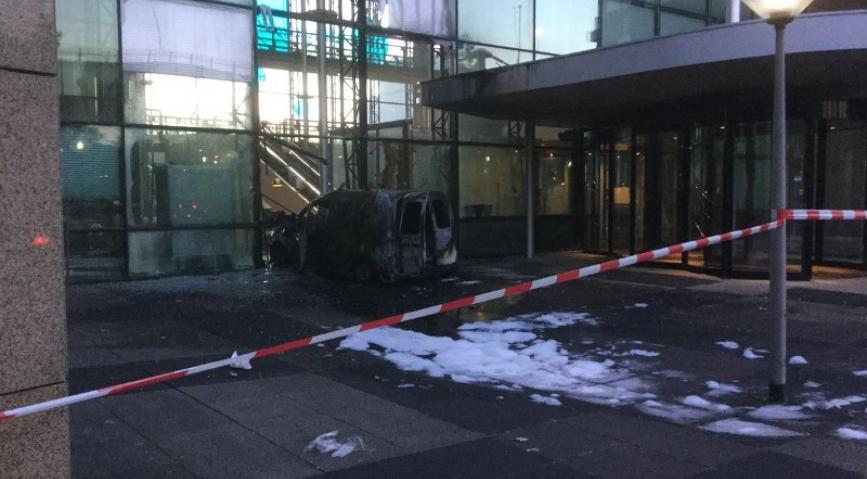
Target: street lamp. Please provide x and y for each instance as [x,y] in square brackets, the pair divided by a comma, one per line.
[778,13]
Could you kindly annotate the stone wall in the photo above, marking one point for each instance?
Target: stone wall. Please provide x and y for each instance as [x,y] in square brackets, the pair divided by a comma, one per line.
[32,301]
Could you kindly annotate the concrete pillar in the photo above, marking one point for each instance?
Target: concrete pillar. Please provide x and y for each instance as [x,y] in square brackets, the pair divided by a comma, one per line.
[530,147]
[733,15]
[32,299]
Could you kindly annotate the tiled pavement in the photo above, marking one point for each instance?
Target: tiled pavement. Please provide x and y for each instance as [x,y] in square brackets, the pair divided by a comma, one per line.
[257,423]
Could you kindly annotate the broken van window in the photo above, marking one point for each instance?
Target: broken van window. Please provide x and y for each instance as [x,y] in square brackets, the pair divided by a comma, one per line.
[410,224]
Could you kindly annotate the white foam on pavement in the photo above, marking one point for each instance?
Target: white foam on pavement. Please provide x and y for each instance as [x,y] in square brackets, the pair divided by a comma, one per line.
[751,353]
[547,400]
[702,403]
[776,412]
[852,432]
[729,344]
[818,401]
[797,360]
[506,354]
[717,389]
[748,428]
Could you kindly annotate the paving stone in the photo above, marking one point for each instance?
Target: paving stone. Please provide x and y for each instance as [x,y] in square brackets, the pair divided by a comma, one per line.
[484,458]
[772,464]
[684,443]
[232,452]
[602,455]
[164,413]
[405,427]
[849,455]
[296,430]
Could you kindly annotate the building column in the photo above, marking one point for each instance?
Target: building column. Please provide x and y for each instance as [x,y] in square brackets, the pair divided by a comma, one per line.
[32,297]
[733,14]
[530,147]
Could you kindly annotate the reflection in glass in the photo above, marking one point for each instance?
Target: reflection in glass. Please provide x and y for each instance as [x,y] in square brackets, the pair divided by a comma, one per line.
[473,57]
[492,181]
[508,24]
[179,178]
[566,26]
[475,128]
[669,23]
[621,182]
[845,158]
[89,156]
[187,38]
[87,60]
[156,99]
[707,144]
[624,22]
[94,255]
[752,168]
[554,182]
[404,165]
[154,253]
[431,17]
[596,204]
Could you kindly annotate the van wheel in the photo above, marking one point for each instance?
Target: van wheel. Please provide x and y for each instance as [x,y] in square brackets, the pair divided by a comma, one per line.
[362,272]
[278,254]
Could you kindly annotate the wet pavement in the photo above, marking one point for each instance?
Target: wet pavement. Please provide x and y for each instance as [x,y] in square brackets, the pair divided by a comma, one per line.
[653,340]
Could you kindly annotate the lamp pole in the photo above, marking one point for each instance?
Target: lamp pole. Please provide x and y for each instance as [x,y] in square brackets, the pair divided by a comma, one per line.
[776,388]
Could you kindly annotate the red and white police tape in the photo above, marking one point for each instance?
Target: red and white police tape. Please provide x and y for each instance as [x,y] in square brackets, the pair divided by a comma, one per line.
[801,215]
[243,360]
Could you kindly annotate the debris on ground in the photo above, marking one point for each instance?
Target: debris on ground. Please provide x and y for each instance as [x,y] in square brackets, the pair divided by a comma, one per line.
[331,444]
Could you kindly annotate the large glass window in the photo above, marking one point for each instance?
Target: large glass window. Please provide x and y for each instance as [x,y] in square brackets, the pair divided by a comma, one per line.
[405,165]
[431,17]
[624,21]
[752,170]
[844,188]
[566,26]
[90,167]
[485,130]
[171,100]
[154,253]
[707,147]
[492,181]
[693,6]
[181,37]
[181,178]
[88,56]
[509,23]
[670,23]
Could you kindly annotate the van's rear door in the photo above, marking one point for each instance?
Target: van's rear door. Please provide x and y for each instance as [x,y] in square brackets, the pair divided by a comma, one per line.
[442,223]
[411,229]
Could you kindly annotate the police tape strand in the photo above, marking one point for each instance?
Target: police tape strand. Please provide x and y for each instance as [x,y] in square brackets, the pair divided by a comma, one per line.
[243,360]
[801,215]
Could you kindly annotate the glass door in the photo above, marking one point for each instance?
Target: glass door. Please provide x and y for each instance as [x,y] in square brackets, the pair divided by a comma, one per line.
[621,183]
[595,219]
[843,187]
[707,147]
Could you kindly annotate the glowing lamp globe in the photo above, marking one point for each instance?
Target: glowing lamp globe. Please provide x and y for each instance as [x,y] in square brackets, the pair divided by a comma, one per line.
[778,9]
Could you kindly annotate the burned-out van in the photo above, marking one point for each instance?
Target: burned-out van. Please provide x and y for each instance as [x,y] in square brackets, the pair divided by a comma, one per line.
[381,234]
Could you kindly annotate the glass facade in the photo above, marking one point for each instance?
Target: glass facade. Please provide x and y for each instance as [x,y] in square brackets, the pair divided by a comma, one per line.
[184,120]
[157,136]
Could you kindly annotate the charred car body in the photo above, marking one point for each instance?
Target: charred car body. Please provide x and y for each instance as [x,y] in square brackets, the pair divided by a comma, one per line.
[381,234]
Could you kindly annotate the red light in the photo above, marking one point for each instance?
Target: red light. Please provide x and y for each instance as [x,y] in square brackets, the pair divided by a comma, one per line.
[40,240]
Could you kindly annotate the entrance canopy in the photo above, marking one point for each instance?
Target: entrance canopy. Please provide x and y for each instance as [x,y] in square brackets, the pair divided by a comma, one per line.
[826,52]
